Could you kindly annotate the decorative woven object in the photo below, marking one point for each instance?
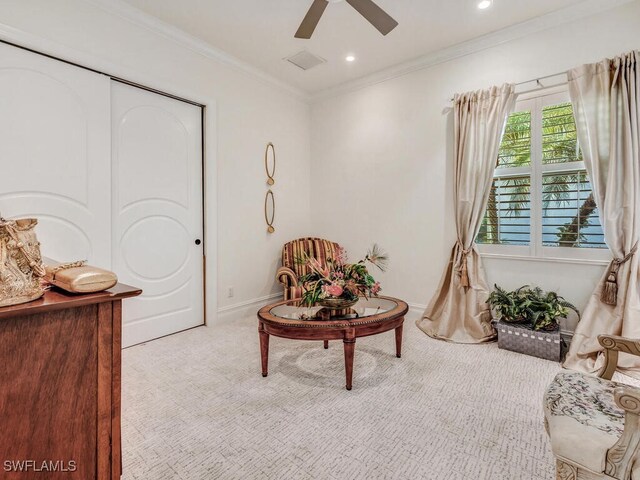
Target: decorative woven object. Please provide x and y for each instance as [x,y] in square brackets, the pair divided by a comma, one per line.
[518,338]
[20,262]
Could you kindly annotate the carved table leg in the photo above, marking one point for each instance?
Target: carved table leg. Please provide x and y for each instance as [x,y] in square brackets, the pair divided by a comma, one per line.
[399,341]
[349,347]
[326,344]
[264,349]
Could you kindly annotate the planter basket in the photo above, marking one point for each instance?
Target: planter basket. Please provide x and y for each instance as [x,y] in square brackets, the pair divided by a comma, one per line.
[518,338]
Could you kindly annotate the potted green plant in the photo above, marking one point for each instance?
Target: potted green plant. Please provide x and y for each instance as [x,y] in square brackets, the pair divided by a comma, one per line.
[527,320]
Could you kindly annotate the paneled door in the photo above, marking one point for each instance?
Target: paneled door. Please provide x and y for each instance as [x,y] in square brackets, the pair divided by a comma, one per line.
[157,211]
[55,149]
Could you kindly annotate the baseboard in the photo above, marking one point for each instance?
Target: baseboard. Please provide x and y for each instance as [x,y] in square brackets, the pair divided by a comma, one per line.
[417,308]
[415,311]
[242,309]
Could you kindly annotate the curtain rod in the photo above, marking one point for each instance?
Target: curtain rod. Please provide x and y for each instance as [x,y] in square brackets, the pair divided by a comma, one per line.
[539,84]
[537,80]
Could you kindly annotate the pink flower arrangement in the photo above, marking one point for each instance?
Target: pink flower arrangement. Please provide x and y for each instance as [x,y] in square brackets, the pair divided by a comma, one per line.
[339,279]
[341,256]
[332,290]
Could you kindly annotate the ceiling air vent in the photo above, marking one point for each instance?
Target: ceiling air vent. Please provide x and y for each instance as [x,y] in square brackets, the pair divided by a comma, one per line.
[305,60]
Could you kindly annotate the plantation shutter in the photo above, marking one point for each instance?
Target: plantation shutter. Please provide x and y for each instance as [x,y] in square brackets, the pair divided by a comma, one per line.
[541,194]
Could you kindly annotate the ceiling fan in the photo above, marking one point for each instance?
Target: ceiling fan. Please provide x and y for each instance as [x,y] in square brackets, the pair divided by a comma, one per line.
[367,8]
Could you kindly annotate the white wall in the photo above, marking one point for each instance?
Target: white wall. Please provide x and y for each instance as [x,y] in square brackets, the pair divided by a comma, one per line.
[249,114]
[382,168]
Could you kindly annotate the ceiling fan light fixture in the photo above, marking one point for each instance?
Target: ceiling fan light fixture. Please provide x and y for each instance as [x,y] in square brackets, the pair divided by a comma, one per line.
[484,4]
[377,17]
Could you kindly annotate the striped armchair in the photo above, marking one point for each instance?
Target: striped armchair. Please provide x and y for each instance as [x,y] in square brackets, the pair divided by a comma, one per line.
[289,273]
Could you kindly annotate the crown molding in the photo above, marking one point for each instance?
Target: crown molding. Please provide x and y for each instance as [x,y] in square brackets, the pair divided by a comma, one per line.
[151,23]
[550,20]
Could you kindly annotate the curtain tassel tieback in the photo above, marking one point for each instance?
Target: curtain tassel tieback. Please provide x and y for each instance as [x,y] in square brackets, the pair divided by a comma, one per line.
[610,288]
[464,273]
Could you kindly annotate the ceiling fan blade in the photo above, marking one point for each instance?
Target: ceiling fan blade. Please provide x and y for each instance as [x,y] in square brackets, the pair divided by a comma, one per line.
[311,19]
[375,15]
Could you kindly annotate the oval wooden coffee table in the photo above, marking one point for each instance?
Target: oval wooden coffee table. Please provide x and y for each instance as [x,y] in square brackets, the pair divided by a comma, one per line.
[289,319]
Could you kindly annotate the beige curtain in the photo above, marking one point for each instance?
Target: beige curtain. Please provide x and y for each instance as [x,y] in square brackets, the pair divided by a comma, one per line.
[605,97]
[458,312]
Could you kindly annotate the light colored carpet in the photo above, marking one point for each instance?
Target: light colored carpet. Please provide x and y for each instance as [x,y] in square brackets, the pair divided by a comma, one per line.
[196,407]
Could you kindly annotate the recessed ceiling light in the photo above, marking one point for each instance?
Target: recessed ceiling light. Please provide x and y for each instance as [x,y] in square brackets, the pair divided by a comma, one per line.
[484,4]
[350,58]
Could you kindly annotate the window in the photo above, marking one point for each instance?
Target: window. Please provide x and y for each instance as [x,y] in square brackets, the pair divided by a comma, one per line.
[541,203]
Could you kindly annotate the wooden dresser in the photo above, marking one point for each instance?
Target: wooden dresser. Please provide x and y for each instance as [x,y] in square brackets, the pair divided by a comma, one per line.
[60,359]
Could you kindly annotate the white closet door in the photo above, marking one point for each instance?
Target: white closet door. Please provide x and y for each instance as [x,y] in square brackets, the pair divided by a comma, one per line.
[157,211]
[55,143]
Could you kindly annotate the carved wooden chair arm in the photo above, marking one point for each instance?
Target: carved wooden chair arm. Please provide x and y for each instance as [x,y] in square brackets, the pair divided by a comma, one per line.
[287,277]
[613,344]
[622,457]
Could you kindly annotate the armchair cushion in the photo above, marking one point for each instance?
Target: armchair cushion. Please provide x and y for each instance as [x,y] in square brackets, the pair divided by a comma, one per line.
[583,419]
[314,247]
[291,270]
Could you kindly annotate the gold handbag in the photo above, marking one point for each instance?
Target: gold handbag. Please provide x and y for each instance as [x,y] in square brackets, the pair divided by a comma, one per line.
[78,277]
[20,262]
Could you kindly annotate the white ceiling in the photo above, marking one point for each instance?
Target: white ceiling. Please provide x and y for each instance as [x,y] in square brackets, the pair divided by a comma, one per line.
[260,32]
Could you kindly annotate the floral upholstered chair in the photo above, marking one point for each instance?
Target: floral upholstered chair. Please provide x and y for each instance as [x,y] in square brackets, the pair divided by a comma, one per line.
[290,271]
[594,423]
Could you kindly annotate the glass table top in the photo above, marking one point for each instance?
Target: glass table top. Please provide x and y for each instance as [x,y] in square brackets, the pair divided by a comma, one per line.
[293,310]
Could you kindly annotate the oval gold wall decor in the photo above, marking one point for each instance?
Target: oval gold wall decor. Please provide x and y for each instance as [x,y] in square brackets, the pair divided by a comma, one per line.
[270,163]
[269,211]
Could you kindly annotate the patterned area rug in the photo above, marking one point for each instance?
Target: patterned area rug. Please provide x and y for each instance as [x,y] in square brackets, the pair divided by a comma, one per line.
[196,407]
